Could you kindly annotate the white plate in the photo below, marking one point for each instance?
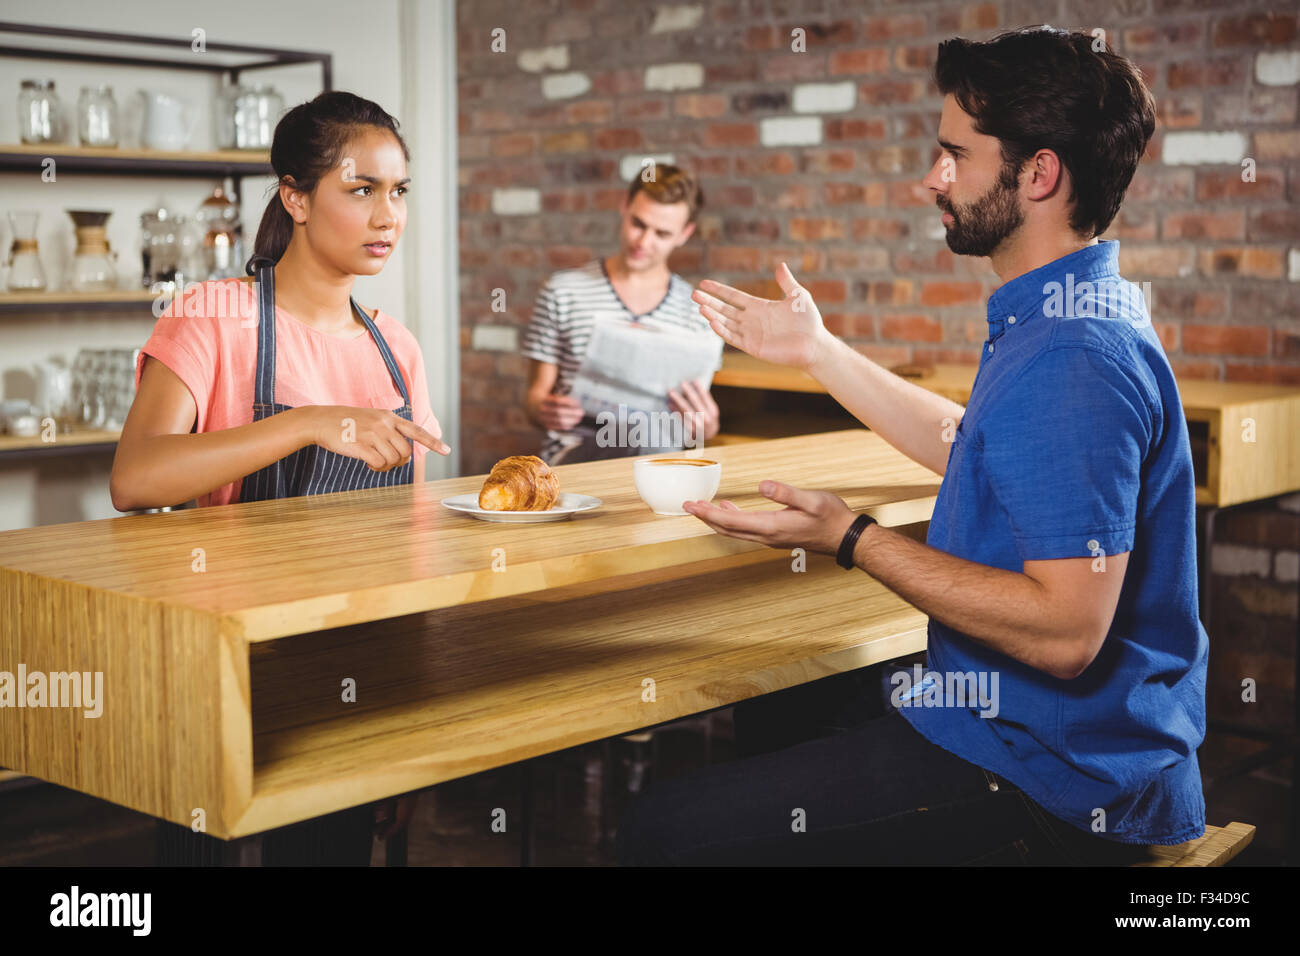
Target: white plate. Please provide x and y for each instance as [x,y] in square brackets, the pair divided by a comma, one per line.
[568,506]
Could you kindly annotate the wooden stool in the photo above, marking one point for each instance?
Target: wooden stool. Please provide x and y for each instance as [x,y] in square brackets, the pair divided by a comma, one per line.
[1215,848]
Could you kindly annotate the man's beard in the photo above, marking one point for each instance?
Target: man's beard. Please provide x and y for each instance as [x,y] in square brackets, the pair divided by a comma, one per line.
[979,227]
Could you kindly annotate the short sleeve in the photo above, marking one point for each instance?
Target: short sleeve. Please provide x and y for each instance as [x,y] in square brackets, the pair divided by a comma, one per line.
[189,345]
[543,336]
[1063,449]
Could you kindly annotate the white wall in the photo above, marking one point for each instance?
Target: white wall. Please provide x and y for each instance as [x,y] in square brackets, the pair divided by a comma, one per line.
[380,51]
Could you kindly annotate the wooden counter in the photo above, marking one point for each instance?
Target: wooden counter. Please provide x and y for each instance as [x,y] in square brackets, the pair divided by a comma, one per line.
[1234,461]
[226,635]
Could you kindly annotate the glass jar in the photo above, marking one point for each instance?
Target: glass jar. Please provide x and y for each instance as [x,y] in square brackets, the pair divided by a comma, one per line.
[218,217]
[256,109]
[40,114]
[159,250]
[25,272]
[92,262]
[97,116]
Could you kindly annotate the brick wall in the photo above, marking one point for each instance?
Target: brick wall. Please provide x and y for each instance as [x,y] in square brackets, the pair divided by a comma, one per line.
[815,157]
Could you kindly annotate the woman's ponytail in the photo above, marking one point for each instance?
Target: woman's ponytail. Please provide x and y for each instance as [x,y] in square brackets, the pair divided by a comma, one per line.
[309,142]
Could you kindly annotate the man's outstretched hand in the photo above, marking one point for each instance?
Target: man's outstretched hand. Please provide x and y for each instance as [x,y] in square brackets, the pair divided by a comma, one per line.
[786,332]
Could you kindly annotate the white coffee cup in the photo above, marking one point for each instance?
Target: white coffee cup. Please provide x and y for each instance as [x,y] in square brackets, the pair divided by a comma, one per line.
[665,484]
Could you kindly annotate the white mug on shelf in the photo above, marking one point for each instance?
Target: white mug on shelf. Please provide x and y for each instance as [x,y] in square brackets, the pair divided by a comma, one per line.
[168,123]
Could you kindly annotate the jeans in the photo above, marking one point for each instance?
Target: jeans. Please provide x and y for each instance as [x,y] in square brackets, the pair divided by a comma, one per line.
[866,790]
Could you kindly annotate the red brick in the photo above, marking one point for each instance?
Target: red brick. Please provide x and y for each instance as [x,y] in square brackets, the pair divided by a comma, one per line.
[643,108]
[952,293]
[687,259]
[910,58]
[1225,339]
[888,92]
[514,144]
[1158,38]
[1156,262]
[597,112]
[764,37]
[1168,334]
[853,62]
[1204,225]
[1133,224]
[911,328]
[1255,29]
[889,292]
[939,260]
[765,163]
[618,138]
[857,261]
[1178,301]
[816,230]
[826,290]
[1275,224]
[734,258]
[899,27]
[1276,144]
[1270,374]
[854,128]
[1224,71]
[617,82]
[979,16]
[869,194]
[570,141]
[731,134]
[1217,184]
[567,257]
[908,194]
[849,325]
[571,201]
[794,66]
[794,196]
[1202,371]
[823,161]
[1179,112]
[1161,185]
[700,105]
[875,228]
[1250,261]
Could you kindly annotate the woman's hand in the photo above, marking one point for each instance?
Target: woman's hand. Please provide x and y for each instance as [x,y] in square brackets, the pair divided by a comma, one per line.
[379,437]
[788,332]
[698,410]
[812,520]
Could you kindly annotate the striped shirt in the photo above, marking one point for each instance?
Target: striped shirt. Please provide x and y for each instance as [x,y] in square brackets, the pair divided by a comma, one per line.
[568,307]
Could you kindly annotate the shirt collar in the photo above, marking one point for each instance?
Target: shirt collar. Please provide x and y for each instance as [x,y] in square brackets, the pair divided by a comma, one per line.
[1019,300]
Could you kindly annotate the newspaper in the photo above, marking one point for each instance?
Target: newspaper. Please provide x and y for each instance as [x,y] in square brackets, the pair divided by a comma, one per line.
[636,364]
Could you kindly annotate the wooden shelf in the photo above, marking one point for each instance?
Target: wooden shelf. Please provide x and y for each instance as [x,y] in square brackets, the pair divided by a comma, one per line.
[82,440]
[22,157]
[449,693]
[116,300]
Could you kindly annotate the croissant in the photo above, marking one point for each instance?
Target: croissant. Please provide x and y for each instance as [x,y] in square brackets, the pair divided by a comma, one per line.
[520,483]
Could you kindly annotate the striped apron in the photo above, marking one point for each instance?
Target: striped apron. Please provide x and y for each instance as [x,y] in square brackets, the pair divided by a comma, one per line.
[312,470]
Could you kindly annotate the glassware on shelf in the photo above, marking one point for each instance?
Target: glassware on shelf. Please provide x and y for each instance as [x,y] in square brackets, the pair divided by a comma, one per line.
[160,249]
[40,114]
[218,219]
[92,263]
[257,109]
[25,272]
[97,116]
[54,394]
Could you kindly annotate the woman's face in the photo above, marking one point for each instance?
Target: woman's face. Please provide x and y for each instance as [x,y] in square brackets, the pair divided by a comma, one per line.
[357,212]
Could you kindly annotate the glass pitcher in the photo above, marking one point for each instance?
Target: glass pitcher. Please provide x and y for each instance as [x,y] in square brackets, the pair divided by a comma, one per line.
[25,272]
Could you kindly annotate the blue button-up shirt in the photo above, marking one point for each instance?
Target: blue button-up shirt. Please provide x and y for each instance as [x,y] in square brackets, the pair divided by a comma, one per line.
[1074,445]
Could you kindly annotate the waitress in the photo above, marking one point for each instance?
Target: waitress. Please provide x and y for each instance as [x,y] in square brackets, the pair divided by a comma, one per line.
[285,386]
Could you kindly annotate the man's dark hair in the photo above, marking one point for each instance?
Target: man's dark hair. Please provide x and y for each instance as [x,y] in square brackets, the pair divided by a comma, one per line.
[1043,88]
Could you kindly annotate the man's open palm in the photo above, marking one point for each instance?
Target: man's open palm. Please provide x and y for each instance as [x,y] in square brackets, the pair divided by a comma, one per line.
[787,332]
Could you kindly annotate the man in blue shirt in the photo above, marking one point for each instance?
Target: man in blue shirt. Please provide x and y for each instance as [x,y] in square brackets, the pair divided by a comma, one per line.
[1063,701]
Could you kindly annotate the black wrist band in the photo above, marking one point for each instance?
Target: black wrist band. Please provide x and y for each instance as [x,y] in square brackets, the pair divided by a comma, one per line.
[845,556]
